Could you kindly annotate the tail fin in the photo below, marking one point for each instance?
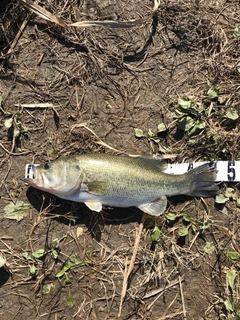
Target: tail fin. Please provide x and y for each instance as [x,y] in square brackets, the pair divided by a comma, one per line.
[203,180]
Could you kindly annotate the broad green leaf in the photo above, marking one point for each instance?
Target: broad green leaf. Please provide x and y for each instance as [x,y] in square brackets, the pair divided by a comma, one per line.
[209,247]
[150,133]
[8,123]
[69,299]
[32,269]
[138,133]
[229,306]
[38,253]
[185,103]
[236,32]
[2,261]
[233,255]
[183,231]
[171,216]
[232,114]
[238,202]
[48,288]
[196,128]
[220,198]
[231,277]
[16,211]
[186,124]
[186,218]
[161,127]
[229,193]
[27,256]
[156,233]
[212,93]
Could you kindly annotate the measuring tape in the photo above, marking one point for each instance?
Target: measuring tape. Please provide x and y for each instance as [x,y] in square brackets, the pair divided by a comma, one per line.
[227,171]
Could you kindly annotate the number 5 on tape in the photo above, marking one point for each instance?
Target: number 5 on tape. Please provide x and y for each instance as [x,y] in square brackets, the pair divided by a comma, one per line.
[227,171]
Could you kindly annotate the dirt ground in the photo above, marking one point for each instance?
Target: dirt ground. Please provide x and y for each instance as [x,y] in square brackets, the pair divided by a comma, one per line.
[69,90]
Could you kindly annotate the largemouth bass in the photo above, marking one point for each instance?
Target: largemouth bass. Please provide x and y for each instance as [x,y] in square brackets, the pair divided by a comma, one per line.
[117,181]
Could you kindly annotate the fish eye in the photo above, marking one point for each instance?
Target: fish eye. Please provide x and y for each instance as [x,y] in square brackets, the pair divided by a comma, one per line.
[47,165]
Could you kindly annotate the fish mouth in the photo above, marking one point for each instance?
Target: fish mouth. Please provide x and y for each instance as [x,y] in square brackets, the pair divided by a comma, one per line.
[30,171]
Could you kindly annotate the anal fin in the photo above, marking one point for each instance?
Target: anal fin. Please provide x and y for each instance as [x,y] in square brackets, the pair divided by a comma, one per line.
[94,205]
[155,208]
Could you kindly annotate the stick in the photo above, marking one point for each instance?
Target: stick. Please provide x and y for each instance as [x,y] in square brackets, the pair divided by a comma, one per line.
[128,271]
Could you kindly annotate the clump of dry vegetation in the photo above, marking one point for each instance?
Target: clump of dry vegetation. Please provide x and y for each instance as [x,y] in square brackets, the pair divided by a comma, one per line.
[129,77]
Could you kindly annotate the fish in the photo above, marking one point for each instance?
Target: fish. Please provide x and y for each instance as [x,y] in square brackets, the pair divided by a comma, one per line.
[120,181]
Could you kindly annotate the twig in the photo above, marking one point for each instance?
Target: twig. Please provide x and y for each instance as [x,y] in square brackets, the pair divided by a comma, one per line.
[131,265]
[182,297]
[162,289]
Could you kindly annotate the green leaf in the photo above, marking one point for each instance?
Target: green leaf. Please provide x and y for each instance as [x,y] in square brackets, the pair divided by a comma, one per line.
[185,103]
[194,227]
[183,231]
[228,305]
[186,218]
[16,133]
[229,193]
[231,277]
[238,202]
[156,233]
[232,114]
[69,300]
[233,255]
[2,261]
[186,124]
[55,254]
[197,128]
[68,280]
[150,133]
[16,211]
[209,247]
[171,216]
[212,93]
[161,127]
[32,269]
[236,32]
[138,133]
[8,122]
[38,253]
[220,198]
[27,256]
[67,265]
[55,243]
[48,288]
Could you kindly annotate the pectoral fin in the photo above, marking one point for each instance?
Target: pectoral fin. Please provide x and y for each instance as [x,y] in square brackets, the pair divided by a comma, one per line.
[155,208]
[94,206]
[97,187]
